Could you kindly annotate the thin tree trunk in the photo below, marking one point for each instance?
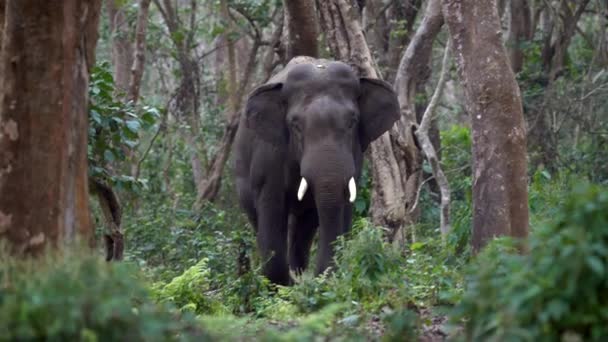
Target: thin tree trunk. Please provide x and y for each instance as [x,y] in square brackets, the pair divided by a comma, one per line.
[431,153]
[188,93]
[500,196]
[374,19]
[602,46]
[413,73]
[209,188]
[563,28]
[301,27]
[519,32]
[401,16]
[2,10]
[122,49]
[112,216]
[48,51]
[139,57]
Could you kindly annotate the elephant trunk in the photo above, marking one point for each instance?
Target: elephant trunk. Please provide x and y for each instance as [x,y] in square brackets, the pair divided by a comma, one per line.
[330,202]
[333,186]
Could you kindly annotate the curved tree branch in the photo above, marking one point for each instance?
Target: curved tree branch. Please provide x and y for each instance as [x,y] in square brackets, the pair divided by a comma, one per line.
[422,133]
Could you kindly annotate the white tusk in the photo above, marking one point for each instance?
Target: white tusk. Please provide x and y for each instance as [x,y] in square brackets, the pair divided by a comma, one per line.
[302,189]
[352,190]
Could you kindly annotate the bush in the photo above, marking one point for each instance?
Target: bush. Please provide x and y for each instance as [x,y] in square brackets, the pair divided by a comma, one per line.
[71,297]
[557,291]
[191,291]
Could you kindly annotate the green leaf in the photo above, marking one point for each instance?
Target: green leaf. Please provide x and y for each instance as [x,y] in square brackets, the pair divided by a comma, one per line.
[416,246]
[95,116]
[109,156]
[133,125]
[596,265]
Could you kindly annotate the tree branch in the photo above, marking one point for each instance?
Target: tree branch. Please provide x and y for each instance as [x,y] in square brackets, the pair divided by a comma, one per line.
[429,149]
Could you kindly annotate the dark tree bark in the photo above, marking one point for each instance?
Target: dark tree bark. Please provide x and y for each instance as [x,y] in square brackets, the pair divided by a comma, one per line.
[519,32]
[48,51]
[2,9]
[139,57]
[301,28]
[602,46]
[122,48]
[562,29]
[500,196]
[112,213]
[558,26]
[185,104]
[401,18]
[413,73]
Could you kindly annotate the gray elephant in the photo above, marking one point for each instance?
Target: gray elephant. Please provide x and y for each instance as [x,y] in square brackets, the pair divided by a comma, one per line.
[298,155]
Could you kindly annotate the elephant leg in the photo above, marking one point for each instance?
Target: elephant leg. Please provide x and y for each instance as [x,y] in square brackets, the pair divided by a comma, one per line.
[301,233]
[246,202]
[272,235]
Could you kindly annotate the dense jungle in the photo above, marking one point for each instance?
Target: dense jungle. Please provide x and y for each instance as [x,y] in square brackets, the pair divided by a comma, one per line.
[304,170]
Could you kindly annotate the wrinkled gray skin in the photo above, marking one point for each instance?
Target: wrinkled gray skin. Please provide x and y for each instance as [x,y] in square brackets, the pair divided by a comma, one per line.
[314,120]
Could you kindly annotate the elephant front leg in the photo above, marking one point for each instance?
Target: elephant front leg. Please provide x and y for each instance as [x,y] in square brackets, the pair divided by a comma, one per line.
[301,233]
[272,236]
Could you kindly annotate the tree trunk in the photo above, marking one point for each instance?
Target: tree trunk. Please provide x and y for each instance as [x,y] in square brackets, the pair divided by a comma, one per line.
[519,31]
[602,46]
[301,28]
[401,17]
[187,97]
[122,49]
[500,196]
[2,9]
[431,153]
[139,58]
[563,28]
[48,51]
[413,73]
[112,216]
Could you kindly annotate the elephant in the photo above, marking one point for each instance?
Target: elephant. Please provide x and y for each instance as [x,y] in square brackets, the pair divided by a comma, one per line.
[298,155]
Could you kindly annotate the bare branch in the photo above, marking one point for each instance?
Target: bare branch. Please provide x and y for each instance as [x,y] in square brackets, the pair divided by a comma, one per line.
[429,149]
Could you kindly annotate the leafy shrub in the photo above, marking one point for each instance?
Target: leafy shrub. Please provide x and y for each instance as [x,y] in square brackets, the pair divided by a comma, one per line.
[211,233]
[366,264]
[191,291]
[558,290]
[74,297]
[114,125]
[401,325]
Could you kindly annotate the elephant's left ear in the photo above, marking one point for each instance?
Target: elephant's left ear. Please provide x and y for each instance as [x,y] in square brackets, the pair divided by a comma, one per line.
[378,107]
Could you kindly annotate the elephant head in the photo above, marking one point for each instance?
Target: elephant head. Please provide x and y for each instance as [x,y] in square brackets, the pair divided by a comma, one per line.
[325,117]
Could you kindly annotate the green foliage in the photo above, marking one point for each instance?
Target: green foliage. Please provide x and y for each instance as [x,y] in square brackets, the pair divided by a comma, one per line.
[366,265]
[362,202]
[190,291]
[558,290]
[75,297]
[402,325]
[114,127]
[211,233]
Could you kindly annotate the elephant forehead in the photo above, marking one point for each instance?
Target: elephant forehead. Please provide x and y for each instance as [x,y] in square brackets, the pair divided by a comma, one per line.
[326,71]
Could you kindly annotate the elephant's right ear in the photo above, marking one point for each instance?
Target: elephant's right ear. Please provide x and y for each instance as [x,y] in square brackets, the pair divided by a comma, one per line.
[265,113]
